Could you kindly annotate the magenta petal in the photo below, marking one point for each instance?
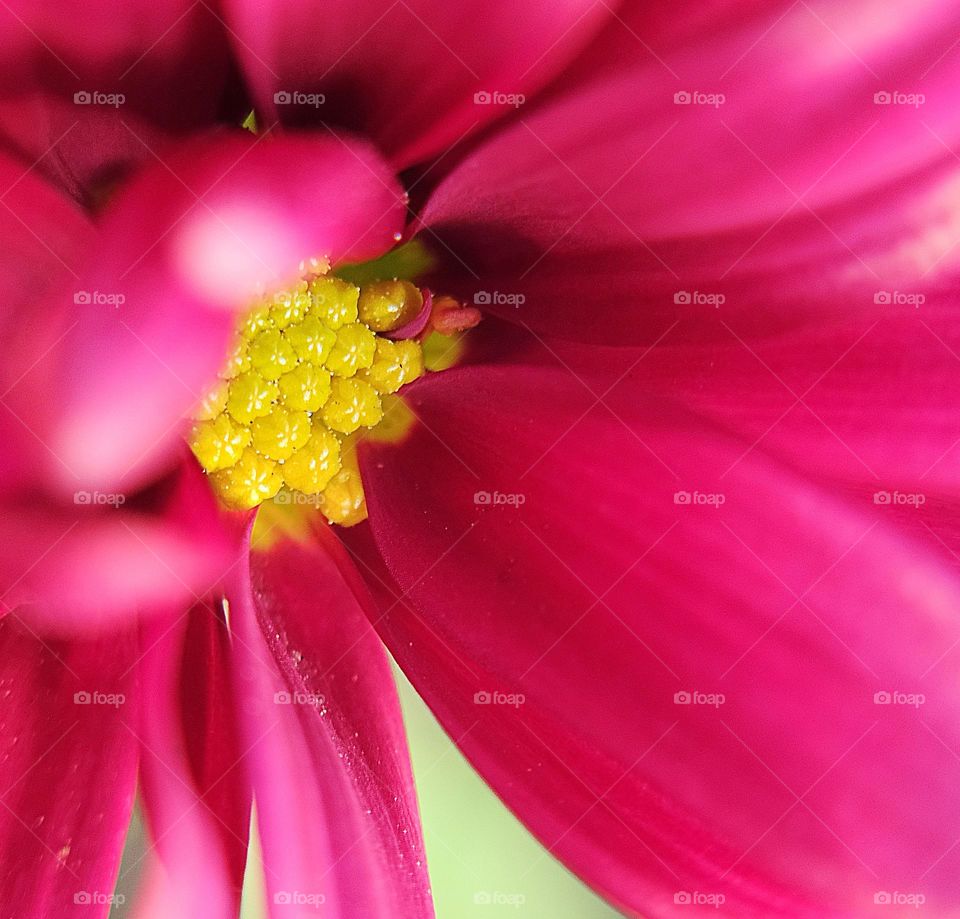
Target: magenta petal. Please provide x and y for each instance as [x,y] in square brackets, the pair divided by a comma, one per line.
[184,247]
[82,566]
[404,74]
[327,753]
[569,568]
[792,193]
[67,771]
[187,828]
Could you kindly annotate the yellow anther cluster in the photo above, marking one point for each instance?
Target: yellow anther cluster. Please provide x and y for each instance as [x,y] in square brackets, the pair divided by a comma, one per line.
[303,378]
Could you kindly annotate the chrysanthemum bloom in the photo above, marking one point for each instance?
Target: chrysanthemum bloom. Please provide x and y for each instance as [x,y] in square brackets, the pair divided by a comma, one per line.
[667,548]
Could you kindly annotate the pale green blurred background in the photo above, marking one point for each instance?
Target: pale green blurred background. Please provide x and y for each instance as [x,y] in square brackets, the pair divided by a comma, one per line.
[476,850]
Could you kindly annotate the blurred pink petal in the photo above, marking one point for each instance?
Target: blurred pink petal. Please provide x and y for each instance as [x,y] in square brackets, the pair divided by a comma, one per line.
[67,771]
[186,245]
[187,831]
[601,594]
[83,565]
[327,755]
[404,74]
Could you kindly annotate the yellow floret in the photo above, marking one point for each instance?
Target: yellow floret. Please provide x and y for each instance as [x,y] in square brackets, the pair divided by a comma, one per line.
[250,481]
[305,388]
[395,364]
[314,464]
[271,354]
[278,434]
[311,340]
[352,404]
[352,351]
[334,301]
[218,443]
[250,396]
[387,305]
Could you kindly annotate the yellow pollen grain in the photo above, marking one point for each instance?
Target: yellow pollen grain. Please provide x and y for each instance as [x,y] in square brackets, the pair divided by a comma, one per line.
[303,382]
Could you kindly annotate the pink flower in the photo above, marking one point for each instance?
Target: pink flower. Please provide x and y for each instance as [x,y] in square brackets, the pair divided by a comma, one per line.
[669,553]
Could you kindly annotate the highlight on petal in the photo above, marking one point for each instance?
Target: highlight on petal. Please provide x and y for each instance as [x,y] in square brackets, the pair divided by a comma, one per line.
[327,755]
[67,770]
[415,76]
[185,246]
[681,678]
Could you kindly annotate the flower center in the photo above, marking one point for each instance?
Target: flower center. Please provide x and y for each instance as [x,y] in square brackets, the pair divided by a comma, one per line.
[306,378]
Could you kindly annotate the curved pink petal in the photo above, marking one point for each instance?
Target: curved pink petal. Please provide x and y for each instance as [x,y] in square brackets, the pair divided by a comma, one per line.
[327,753]
[83,565]
[564,567]
[182,249]
[749,161]
[415,76]
[199,843]
[67,771]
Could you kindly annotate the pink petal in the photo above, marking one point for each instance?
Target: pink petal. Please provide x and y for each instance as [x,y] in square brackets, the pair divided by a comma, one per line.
[327,753]
[200,851]
[599,597]
[407,74]
[104,556]
[67,771]
[167,60]
[186,245]
[795,198]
